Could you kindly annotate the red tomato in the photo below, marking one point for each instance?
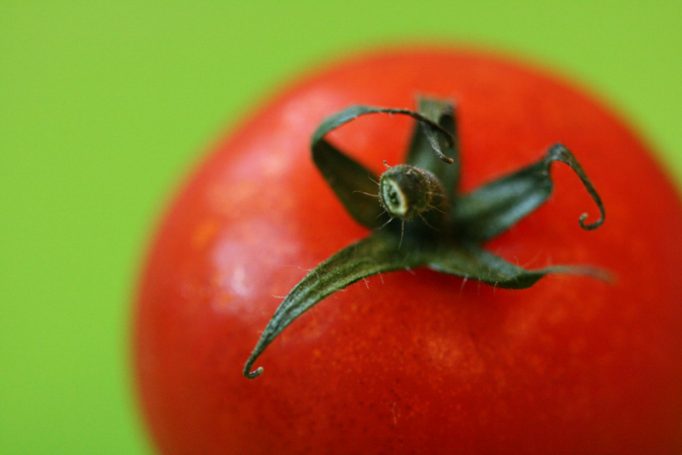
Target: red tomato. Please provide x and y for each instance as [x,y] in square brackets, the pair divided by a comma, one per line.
[416,362]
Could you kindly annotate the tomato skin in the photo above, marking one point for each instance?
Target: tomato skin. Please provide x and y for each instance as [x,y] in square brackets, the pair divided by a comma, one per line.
[416,362]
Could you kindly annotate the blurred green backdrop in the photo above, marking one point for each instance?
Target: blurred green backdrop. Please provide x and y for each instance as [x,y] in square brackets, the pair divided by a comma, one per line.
[103,105]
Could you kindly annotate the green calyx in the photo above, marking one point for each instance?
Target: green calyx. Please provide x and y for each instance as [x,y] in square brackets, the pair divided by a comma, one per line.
[419,219]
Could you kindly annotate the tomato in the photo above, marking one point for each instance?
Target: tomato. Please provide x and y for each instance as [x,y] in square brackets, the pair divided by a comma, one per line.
[416,361]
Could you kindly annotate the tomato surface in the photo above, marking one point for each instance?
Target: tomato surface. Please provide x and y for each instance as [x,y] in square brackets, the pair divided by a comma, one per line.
[416,361]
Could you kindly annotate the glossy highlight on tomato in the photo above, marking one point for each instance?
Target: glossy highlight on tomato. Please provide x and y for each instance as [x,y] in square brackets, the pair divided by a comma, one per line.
[416,361]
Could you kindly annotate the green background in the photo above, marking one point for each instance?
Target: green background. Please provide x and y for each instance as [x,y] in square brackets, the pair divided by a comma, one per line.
[103,105]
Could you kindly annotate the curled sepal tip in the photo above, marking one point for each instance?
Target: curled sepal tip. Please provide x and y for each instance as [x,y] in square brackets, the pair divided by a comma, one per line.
[559,152]
[351,113]
[252,374]
[420,152]
[495,207]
